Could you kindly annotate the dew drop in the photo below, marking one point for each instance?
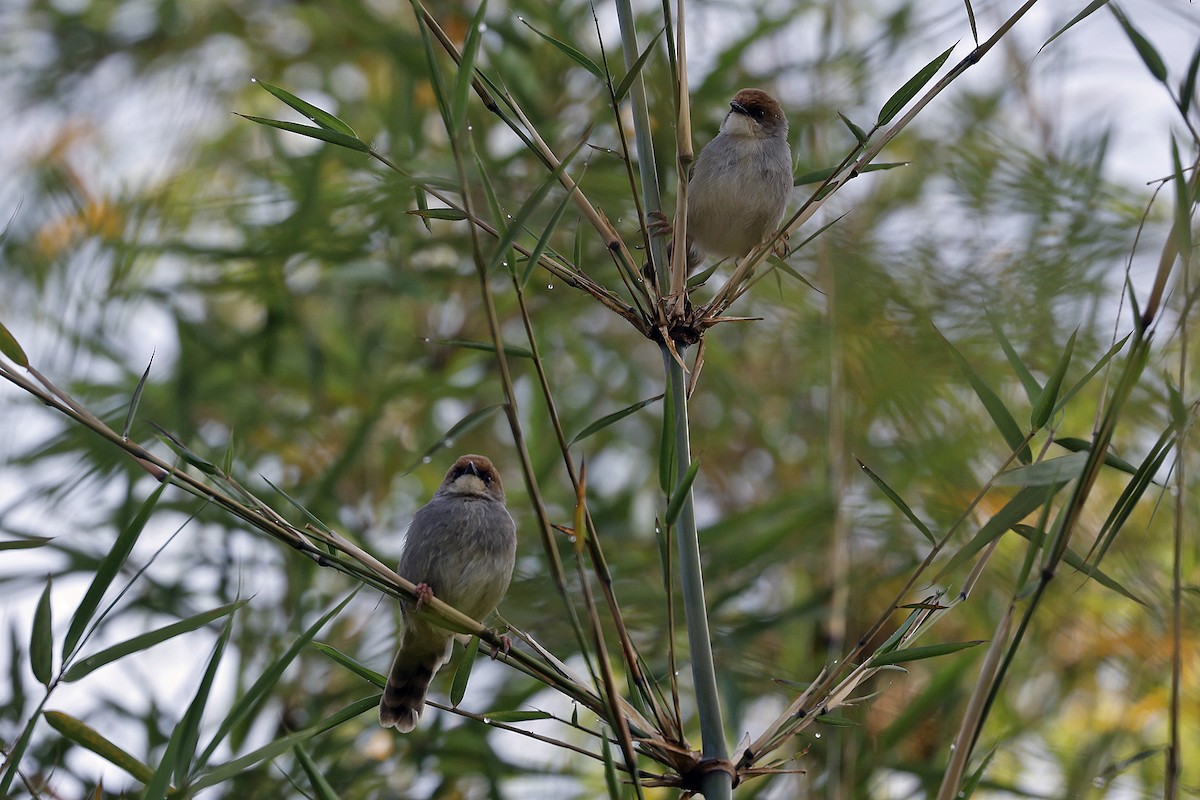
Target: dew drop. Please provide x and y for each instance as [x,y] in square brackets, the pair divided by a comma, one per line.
[426,459]
[818,736]
[549,285]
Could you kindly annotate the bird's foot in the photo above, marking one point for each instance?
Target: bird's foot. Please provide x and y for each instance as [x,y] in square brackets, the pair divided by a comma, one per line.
[504,646]
[424,594]
[659,225]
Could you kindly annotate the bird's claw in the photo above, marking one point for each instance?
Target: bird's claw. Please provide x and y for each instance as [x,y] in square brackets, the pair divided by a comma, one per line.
[424,594]
[504,646]
[659,225]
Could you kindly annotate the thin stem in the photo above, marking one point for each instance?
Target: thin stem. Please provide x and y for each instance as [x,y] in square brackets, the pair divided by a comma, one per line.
[717,784]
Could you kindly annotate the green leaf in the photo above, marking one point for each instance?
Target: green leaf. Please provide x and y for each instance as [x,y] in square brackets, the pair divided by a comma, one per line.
[324,134]
[202,464]
[147,640]
[613,418]
[1044,473]
[681,493]
[1088,10]
[858,133]
[487,347]
[1033,389]
[1112,351]
[822,175]
[575,55]
[107,571]
[41,640]
[971,20]
[321,786]
[262,686]
[909,90]
[282,745]
[996,409]
[918,653]
[1020,506]
[611,781]
[1149,55]
[1183,206]
[666,443]
[26,544]
[516,716]
[544,240]
[1187,89]
[1049,397]
[1083,445]
[11,349]
[1143,477]
[467,423]
[466,67]
[1075,561]
[898,502]
[352,664]
[627,82]
[451,214]
[323,118]
[90,739]
[188,729]
[458,687]
[837,721]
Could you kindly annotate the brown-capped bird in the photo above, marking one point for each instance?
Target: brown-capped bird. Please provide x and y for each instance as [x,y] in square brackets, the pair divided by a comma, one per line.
[461,547]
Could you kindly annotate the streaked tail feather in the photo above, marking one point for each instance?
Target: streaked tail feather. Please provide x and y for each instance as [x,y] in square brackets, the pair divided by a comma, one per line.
[415,665]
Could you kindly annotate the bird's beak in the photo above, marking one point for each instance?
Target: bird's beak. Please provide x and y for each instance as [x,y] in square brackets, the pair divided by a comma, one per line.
[474,470]
[738,107]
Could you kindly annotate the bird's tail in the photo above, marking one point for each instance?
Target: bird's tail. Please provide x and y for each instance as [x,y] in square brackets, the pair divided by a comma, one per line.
[416,662]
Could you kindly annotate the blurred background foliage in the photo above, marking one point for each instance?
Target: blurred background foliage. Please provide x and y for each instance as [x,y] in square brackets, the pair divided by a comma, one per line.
[294,309]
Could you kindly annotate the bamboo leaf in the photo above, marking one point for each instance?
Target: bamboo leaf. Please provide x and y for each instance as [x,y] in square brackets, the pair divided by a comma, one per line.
[324,134]
[451,214]
[995,407]
[323,118]
[627,82]
[613,418]
[1076,562]
[1145,50]
[467,423]
[1033,389]
[321,786]
[466,67]
[837,721]
[262,686]
[1084,446]
[898,502]
[11,349]
[352,664]
[107,571]
[458,688]
[91,739]
[666,445]
[26,544]
[1112,351]
[858,133]
[1183,206]
[487,347]
[1020,506]
[925,651]
[1044,473]
[147,640]
[822,175]
[681,493]
[202,464]
[41,639]
[544,240]
[1088,10]
[188,729]
[516,716]
[574,54]
[971,19]
[1187,89]
[909,90]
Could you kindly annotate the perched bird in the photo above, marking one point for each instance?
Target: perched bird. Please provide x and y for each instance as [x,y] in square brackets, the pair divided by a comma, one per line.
[461,547]
[741,181]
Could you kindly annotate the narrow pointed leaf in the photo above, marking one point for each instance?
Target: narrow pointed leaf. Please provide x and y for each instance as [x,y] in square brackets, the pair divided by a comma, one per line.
[324,134]
[107,571]
[1088,10]
[926,651]
[574,54]
[544,240]
[681,493]
[91,739]
[466,67]
[265,682]
[321,786]
[147,640]
[202,464]
[627,82]
[1145,50]
[613,418]
[858,133]
[188,729]
[1033,389]
[1020,506]
[995,407]
[450,214]
[1112,351]
[1076,562]
[357,667]
[517,716]
[11,349]
[909,90]
[1187,89]
[666,445]
[1183,206]
[487,347]
[1044,473]
[323,118]
[458,688]
[26,544]
[1084,446]
[467,423]
[41,640]
[899,503]
[971,19]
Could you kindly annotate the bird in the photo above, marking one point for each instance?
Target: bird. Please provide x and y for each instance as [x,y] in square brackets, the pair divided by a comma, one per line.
[741,181]
[460,548]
